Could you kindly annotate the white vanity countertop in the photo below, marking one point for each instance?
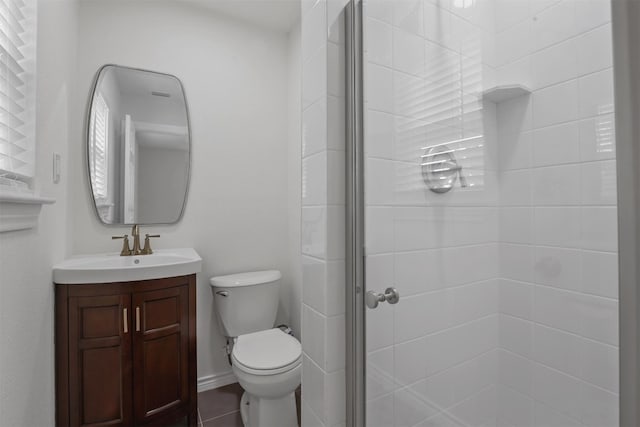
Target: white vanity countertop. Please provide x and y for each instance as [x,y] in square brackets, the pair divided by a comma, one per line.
[111,267]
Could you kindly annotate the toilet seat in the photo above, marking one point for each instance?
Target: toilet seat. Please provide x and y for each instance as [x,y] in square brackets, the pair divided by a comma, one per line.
[268,352]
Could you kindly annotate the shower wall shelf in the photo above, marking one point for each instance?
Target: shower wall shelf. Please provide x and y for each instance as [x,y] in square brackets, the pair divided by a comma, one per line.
[503,93]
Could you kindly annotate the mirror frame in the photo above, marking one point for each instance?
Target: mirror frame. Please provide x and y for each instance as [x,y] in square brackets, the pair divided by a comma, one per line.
[87,132]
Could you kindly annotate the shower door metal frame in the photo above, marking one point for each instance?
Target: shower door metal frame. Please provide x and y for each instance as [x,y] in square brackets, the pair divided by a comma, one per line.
[626,68]
[355,251]
[626,36]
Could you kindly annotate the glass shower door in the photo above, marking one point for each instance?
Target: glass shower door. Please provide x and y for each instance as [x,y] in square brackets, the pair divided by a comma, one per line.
[490,206]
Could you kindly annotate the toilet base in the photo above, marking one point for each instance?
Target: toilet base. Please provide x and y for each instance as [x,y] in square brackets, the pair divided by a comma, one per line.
[280,412]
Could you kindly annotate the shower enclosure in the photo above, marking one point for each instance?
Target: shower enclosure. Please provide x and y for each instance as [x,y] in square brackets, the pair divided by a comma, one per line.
[481,261]
[490,206]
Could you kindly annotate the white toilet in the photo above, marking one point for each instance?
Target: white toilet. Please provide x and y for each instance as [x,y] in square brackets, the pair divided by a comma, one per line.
[266,361]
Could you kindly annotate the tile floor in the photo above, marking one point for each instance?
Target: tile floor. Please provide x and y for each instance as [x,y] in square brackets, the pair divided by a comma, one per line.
[221,407]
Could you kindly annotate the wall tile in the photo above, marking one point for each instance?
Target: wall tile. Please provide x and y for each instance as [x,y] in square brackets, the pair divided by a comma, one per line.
[408,53]
[314,81]
[554,64]
[408,15]
[516,335]
[599,365]
[380,327]
[336,119]
[557,390]
[379,48]
[416,272]
[558,309]
[600,228]
[335,348]
[380,411]
[314,179]
[313,34]
[591,14]
[516,298]
[380,185]
[314,324]
[515,151]
[557,349]
[515,188]
[336,177]
[313,381]
[599,407]
[410,364]
[597,138]
[557,226]
[516,224]
[313,282]
[545,415]
[516,262]
[596,94]
[379,89]
[600,273]
[555,104]
[557,267]
[556,145]
[554,25]
[314,231]
[335,397]
[516,372]
[314,129]
[335,232]
[380,373]
[335,286]
[379,229]
[599,319]
[381,130]
[599,183]
[594,50]
[556,185]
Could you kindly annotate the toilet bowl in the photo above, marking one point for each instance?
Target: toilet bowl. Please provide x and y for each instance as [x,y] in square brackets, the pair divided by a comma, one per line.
[268,366]
[266,361]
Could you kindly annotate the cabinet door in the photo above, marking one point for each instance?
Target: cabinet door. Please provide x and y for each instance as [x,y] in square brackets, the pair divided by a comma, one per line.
[161,352]
[100,360]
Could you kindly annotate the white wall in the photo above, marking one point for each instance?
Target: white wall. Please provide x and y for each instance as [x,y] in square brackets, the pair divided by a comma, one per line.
[26,257]
[295,177]
[236,82]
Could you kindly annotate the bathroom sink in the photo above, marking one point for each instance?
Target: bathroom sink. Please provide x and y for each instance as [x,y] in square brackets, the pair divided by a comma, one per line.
[109,268]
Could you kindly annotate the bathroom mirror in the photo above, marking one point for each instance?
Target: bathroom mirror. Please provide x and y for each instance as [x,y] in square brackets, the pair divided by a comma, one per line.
[138,146]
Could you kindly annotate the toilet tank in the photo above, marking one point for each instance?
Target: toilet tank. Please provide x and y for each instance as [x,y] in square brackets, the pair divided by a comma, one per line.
[246,302]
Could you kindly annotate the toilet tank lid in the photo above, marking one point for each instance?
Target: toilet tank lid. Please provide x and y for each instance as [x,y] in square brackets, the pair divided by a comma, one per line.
[245,279]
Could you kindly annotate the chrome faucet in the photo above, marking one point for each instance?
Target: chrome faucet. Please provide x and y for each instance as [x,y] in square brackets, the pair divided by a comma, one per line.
[135,232]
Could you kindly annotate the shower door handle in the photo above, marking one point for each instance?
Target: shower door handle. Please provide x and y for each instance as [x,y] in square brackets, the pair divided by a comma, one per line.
[391,295]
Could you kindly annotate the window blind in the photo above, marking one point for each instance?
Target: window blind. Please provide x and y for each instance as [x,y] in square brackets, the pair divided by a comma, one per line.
[98,150]
[17,66]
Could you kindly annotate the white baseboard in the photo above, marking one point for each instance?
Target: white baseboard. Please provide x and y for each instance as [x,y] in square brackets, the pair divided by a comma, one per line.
[214,381]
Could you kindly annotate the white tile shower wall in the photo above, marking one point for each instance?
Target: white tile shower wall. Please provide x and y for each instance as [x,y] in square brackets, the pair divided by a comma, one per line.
[323,214]
[432,358]
[558,262]
[539,218]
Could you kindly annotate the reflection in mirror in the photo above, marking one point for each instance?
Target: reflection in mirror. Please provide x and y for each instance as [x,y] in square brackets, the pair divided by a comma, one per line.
[138,146]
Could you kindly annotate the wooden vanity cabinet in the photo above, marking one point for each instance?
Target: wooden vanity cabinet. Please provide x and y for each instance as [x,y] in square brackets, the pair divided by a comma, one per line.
[126,353]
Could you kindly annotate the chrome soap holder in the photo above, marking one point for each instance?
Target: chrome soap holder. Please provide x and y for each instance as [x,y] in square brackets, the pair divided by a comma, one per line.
[440,169]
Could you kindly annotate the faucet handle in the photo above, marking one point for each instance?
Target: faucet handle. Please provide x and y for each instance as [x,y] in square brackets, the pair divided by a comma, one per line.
[147,245]
[126,250]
